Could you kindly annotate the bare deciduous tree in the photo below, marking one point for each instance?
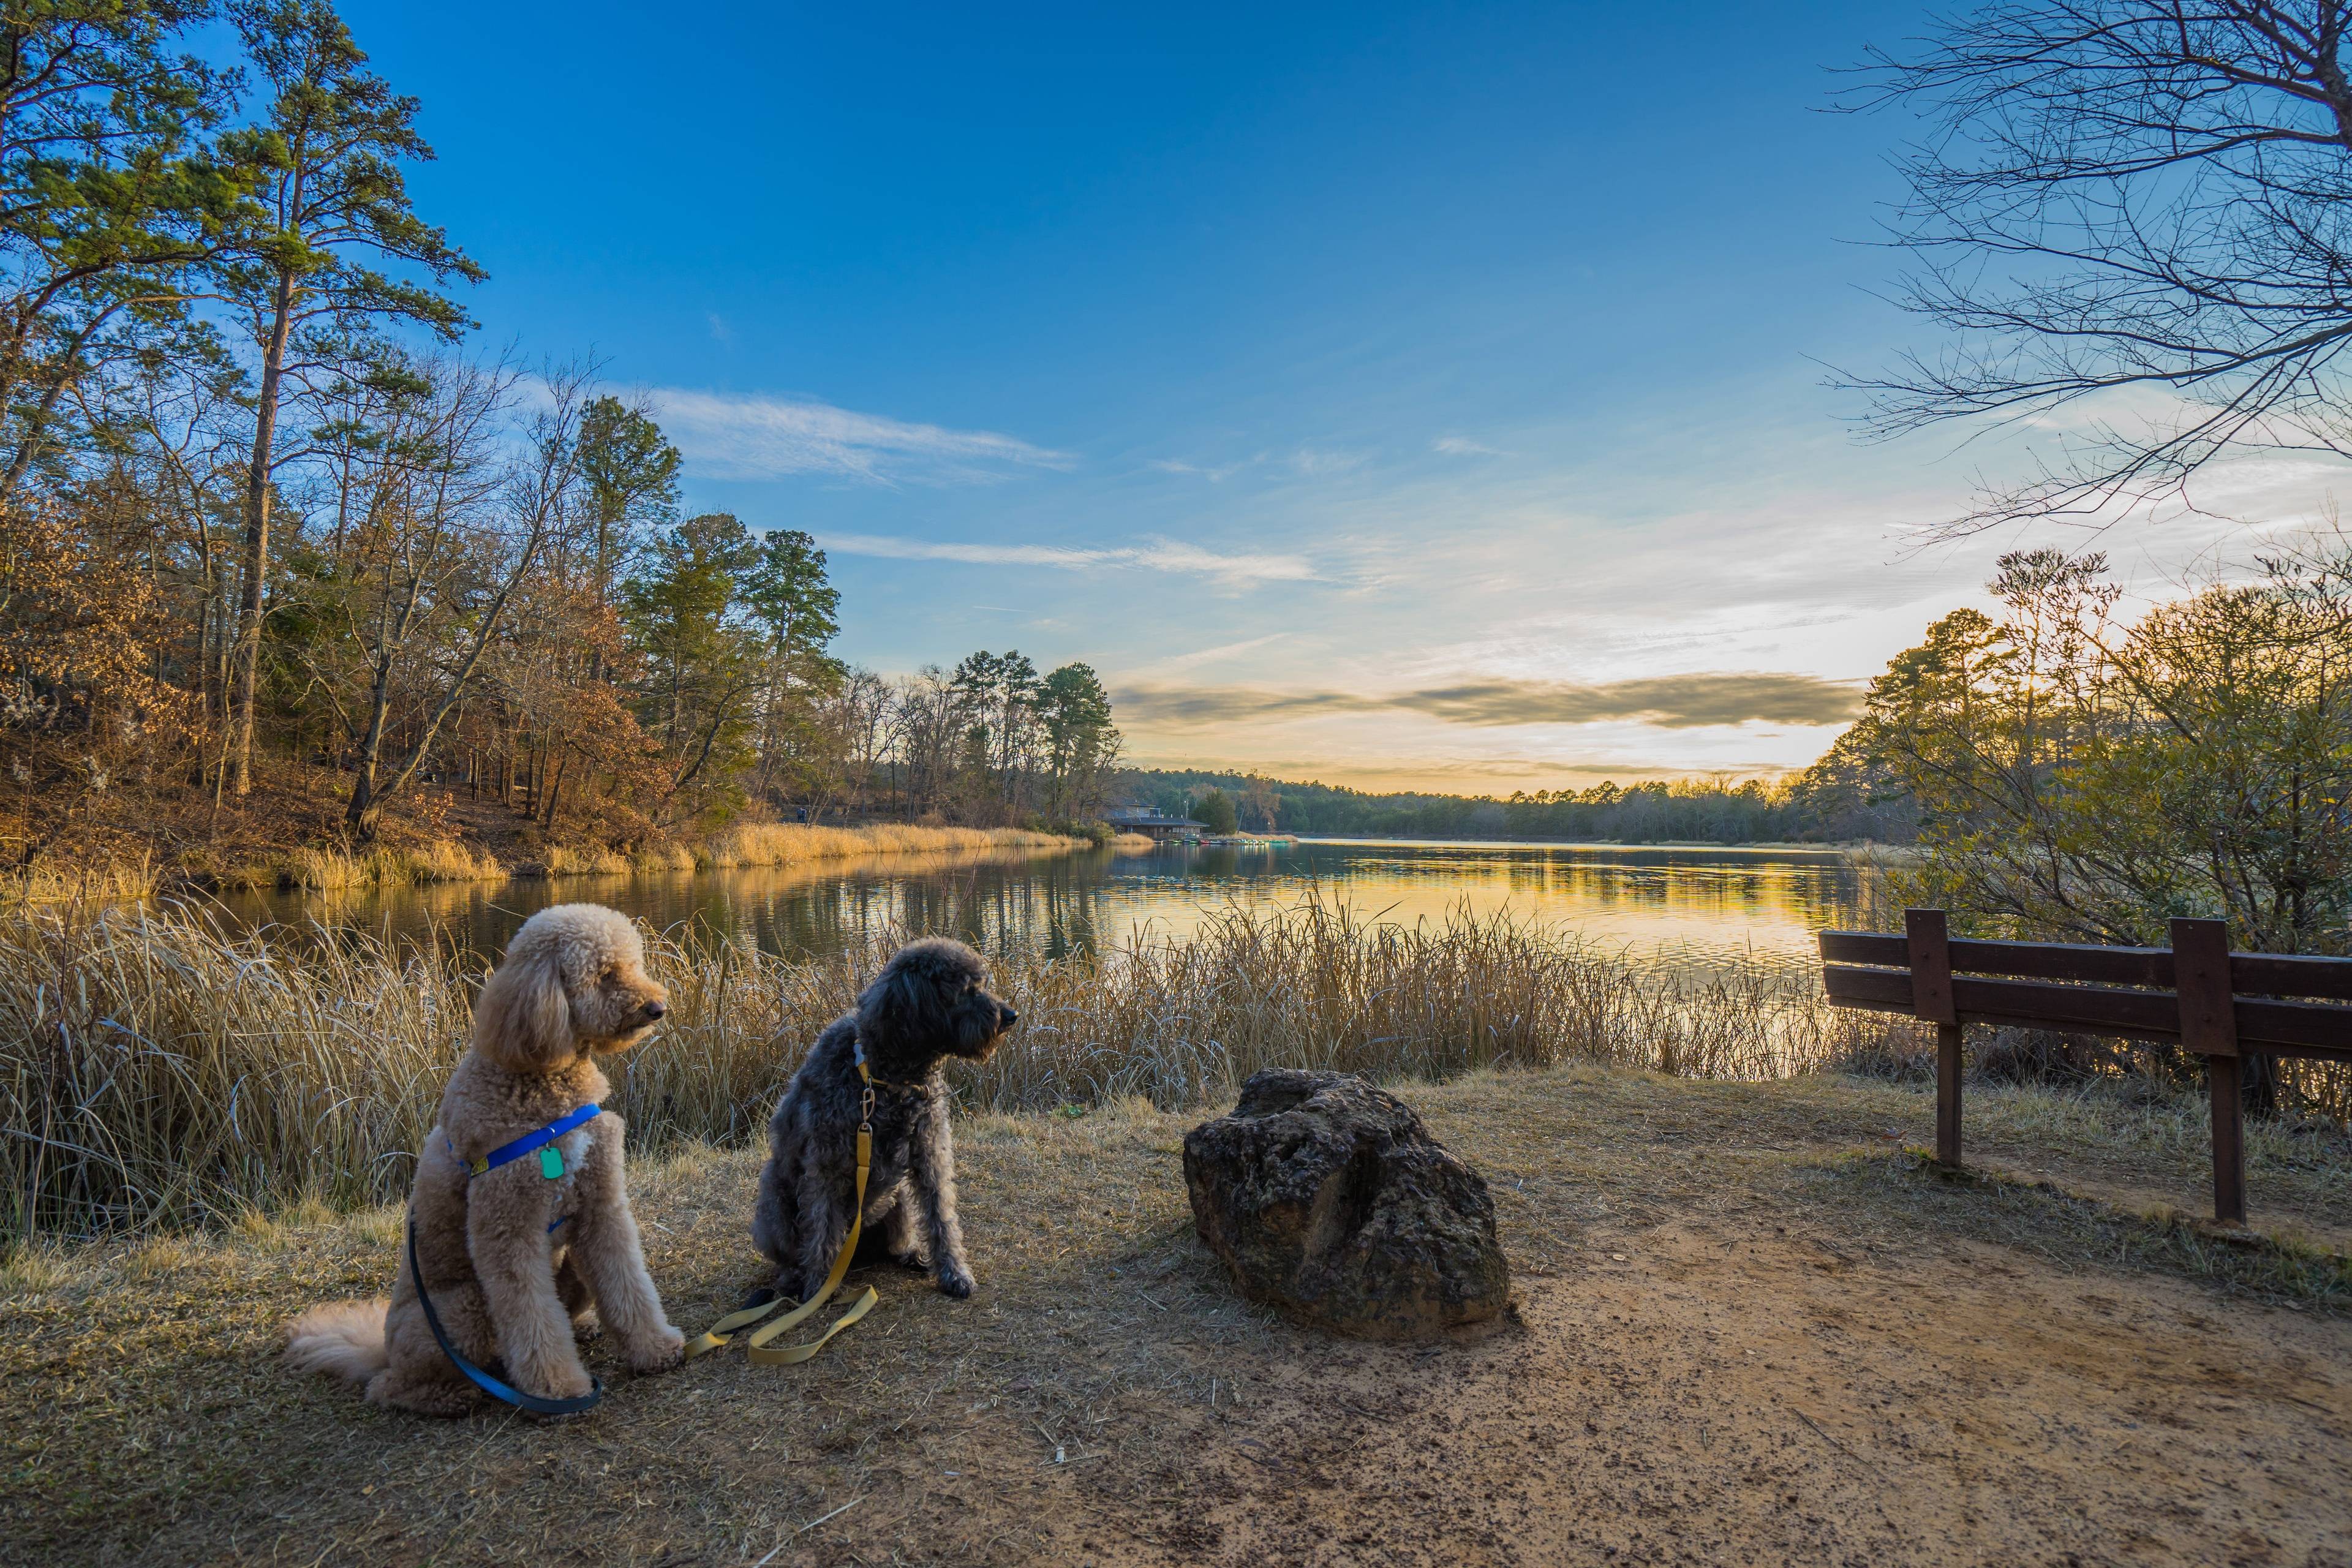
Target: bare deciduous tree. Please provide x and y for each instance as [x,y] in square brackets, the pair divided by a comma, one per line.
[2131,216]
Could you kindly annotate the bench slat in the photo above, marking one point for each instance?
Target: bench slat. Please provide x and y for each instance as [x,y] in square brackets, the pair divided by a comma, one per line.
[2277,1028]
[2255,974]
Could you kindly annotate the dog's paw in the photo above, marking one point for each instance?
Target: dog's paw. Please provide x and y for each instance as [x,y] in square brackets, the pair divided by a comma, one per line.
[913,1262]
[423,1398]
[660,1353]
[562,1383]
[587,1327]
[956,1282]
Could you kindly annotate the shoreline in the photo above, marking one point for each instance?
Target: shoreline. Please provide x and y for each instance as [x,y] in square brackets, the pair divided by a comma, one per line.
[316,868]
[1851,847]
[312,868]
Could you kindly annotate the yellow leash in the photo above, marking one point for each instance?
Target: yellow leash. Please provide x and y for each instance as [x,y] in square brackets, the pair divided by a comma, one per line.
[724,1330]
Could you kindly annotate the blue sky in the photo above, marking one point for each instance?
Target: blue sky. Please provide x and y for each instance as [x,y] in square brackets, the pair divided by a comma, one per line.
[1393,394]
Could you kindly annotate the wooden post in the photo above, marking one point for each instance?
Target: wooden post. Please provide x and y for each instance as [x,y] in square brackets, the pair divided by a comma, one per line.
[1948,1095]
[1928,938]
[2228,1141]
[2208,1026]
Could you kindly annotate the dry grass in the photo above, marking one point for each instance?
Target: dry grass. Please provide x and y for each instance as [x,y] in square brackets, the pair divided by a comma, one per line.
[658,859]
[776,844]
[787,843]
[1182,1022]
[1105,1389]
[328,870]
[576,860]
[316,869]
[162,1070]
[50,883]
[158,1070]
[2282,1262]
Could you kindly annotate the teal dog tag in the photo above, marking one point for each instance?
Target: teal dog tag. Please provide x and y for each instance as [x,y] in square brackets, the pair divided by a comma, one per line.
[551,1162]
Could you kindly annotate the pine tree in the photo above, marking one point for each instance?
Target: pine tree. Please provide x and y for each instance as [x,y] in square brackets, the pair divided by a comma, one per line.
[631,472]
[108,196]
[1081,743]
[701,667]
[788,595]
[326,161]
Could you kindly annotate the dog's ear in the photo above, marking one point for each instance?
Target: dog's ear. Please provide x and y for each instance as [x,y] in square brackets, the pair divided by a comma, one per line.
[898,1008]
[523,1019]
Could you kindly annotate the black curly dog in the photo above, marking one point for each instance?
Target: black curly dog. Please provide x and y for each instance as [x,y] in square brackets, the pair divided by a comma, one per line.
[928,1005]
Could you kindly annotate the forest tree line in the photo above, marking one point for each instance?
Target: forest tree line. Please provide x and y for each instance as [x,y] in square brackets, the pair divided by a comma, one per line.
[1719,810]
[285,553]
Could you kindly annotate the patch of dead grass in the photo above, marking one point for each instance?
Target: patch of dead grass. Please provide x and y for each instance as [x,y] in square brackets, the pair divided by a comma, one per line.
[2283,1262]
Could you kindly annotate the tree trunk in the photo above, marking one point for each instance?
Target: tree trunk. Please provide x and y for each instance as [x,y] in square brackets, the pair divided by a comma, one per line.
[2258,1086]
[359,816]
[257,536]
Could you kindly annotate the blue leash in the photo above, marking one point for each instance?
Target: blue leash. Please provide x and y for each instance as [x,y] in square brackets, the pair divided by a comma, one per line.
[483,1380]
[551,1165]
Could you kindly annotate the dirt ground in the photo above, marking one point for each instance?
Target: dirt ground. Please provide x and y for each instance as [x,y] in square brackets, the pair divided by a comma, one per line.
[1750,1331]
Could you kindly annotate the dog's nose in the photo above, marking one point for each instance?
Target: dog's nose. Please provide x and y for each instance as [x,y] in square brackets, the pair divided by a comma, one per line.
[1011,1018]
[655,1009]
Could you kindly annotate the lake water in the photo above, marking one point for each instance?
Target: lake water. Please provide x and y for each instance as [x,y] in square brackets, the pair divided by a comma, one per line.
[1697,909]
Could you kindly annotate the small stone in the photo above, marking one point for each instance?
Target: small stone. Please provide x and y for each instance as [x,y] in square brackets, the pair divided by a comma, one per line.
[1328,1199]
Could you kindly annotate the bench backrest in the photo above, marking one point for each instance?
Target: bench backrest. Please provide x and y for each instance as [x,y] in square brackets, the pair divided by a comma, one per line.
[2279,1005]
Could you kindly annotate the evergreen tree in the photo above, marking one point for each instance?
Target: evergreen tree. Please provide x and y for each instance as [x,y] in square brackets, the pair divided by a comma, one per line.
[326,160]
[1002,690]
[701,667]
[108,197]
[1081,743]
[788,595]
[630,471]
[1214,809]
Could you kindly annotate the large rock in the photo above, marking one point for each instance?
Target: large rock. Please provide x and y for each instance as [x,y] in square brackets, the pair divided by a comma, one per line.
[1328,1199]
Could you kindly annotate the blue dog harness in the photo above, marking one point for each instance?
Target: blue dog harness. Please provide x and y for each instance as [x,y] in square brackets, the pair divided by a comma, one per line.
[551,1165]
[550,1158]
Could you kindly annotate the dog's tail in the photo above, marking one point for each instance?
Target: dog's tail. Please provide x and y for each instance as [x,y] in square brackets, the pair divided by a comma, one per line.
[344,1338]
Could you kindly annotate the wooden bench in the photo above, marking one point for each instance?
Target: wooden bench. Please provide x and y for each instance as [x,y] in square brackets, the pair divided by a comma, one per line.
[2195,993]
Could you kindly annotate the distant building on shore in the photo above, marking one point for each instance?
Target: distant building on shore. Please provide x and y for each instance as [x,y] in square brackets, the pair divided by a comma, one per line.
[1153,823]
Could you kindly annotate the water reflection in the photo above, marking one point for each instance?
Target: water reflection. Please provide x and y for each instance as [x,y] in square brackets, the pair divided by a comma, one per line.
[1694,909]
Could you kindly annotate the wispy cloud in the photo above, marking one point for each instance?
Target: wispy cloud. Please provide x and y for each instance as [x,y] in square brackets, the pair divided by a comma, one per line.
[1151,555]
[1670,701]
[728,436]
[1462,447]
[1212,474]
[1200,657]
[1318,462]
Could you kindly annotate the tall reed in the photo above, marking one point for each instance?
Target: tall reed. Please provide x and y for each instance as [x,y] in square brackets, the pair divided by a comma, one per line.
[157,1068]
[790,844]
[317,870]
[106,880]
[325,869]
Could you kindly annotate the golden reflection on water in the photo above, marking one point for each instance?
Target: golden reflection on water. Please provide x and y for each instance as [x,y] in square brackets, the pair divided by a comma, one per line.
[1697,907]
[1693,908]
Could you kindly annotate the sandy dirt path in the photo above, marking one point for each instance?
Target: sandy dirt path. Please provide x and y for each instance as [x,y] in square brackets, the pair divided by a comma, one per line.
[1720,1396]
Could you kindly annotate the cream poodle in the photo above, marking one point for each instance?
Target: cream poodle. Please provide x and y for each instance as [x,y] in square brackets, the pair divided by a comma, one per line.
[515,1250]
